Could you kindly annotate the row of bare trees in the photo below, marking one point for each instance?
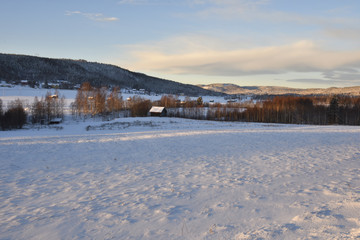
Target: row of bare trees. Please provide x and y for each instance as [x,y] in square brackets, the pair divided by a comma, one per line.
[41,111]
[47,108]
[92,101]
[306,110]
[172,101]
[280,109]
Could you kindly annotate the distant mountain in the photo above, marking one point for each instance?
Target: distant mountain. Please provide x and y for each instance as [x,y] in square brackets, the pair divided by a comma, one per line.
[272,90]
[22,67]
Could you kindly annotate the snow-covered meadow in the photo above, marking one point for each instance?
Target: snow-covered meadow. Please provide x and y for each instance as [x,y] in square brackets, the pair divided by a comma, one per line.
[169,178]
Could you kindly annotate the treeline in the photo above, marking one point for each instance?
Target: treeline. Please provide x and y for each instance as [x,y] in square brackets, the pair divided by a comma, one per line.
[306,110]
[281,109]
[92,101]
[172,101]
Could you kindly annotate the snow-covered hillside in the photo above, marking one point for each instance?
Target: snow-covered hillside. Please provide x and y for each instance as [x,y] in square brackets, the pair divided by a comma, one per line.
[168,178]
[16,67]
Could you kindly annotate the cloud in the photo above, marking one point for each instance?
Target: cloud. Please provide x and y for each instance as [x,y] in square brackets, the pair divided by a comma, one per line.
[136,2]
[148,2]
[99,17]
[352,34]
[205,6]
[196,56]
[266,11]
[228,8]
[349,74]
[315,81]
[326,82]
[341,76]
[248,10]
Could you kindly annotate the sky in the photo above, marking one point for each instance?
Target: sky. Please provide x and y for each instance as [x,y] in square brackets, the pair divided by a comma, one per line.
[301,44]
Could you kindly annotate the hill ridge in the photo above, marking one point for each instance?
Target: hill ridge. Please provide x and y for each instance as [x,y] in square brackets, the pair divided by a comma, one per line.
[15,67]
[234,89]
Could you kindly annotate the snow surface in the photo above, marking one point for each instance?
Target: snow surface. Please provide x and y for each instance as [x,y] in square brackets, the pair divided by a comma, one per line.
[168,178]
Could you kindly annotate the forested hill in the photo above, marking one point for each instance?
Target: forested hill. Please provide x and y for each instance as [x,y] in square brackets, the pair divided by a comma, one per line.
[22,67]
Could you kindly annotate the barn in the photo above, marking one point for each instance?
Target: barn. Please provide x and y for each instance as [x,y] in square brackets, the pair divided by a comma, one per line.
[158,112]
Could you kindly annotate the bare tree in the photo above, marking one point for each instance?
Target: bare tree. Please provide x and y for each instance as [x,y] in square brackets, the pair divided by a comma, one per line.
[84,99]
[114,102]
[100,101]
[14,117]
[139,107]
[38,113]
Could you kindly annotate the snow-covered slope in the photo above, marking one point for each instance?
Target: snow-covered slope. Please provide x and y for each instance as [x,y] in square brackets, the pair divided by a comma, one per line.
[168,178]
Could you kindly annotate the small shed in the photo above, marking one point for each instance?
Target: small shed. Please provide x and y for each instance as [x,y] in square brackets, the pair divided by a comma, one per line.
[55,121]
[158,112]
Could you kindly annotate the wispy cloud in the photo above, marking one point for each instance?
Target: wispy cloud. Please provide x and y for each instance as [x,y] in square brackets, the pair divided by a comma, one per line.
[133,2]
[181,57]
[148,2]
[346,74]
[264,11]
[227,8]
[314,81]
[326,82]
[351,34]
[252,10]
[99,17]
[206,6]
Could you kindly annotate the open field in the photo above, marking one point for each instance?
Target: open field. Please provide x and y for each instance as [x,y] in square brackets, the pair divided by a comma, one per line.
[168,178]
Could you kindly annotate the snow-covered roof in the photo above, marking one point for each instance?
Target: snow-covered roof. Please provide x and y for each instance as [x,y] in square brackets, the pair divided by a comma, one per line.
[56,120]
[157,109]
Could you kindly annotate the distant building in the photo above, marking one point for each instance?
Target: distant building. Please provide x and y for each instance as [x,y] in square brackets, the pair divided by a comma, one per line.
[158,112]
[24,82]
[55,121]
[54,85]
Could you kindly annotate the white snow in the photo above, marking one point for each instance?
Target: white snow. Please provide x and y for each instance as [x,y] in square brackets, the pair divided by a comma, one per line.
[168,178]
[156,109]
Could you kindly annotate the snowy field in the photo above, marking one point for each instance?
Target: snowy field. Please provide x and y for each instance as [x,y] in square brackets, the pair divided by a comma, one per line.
[168,178]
